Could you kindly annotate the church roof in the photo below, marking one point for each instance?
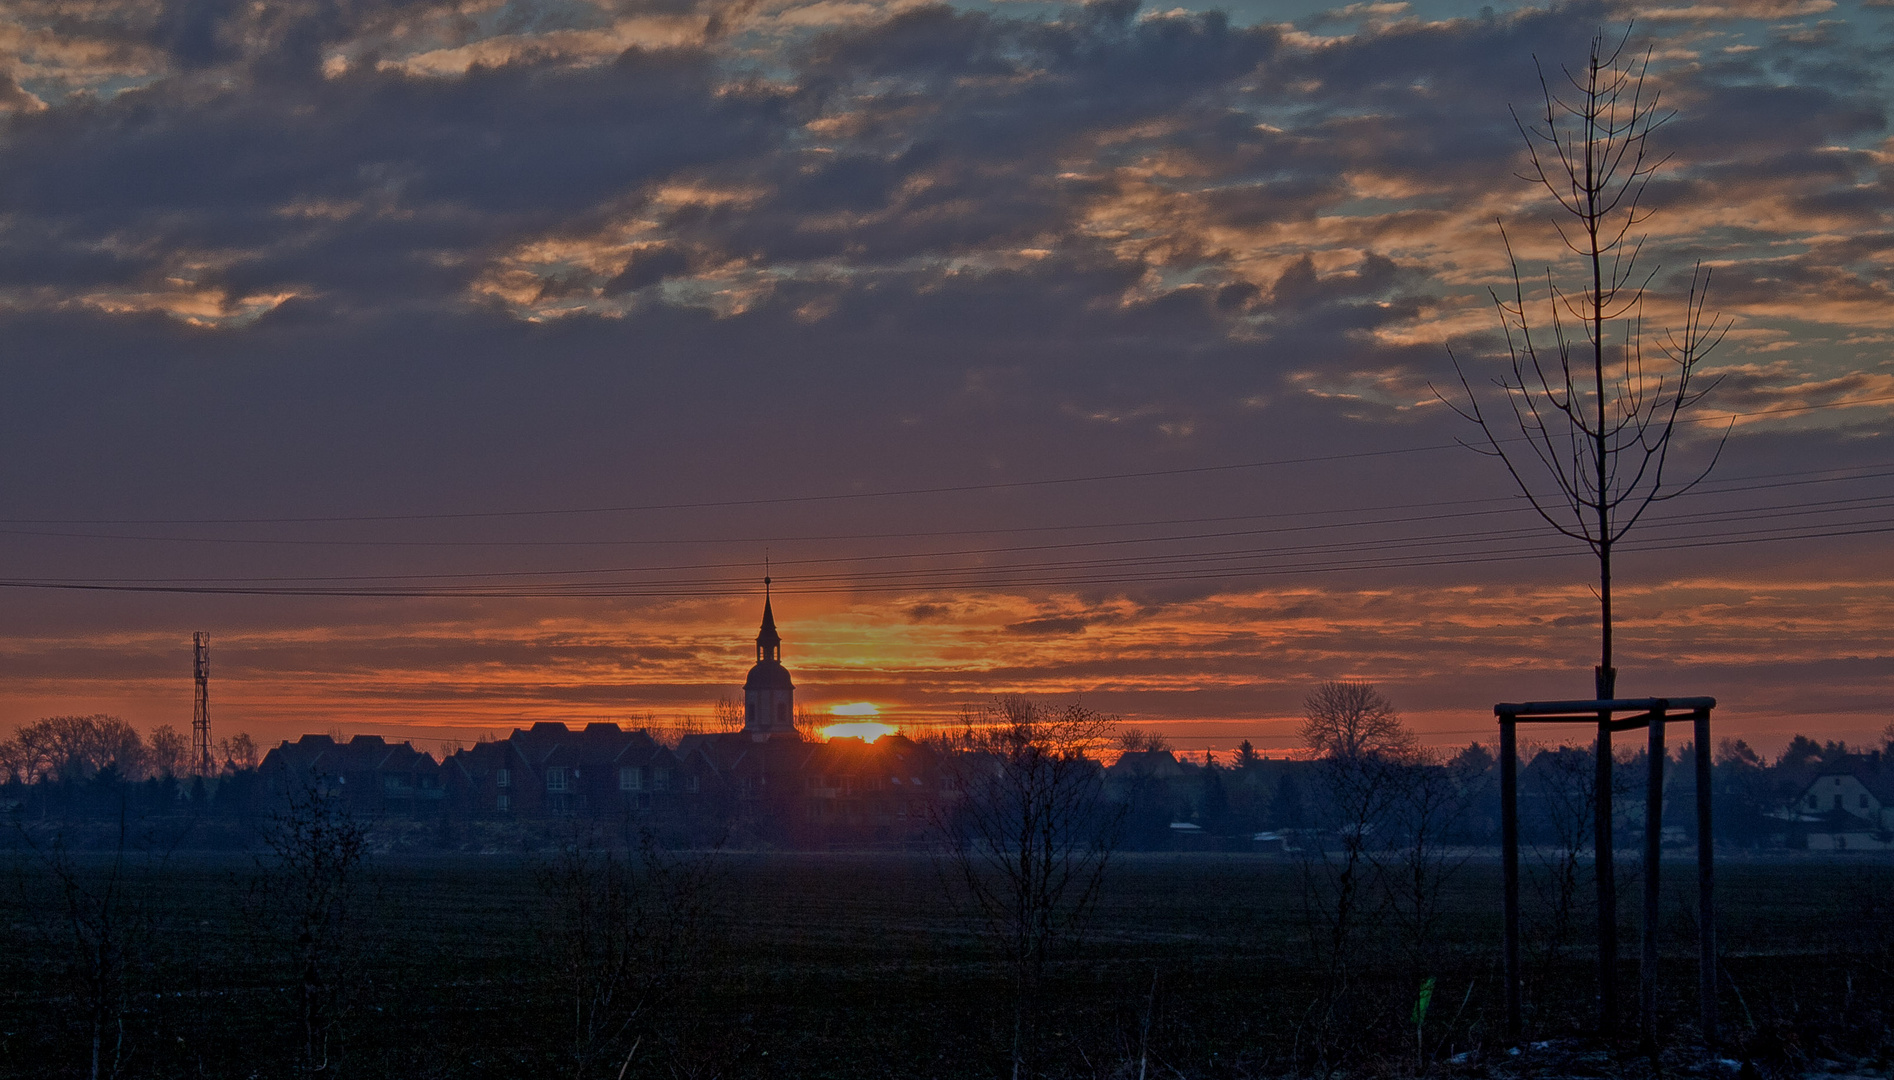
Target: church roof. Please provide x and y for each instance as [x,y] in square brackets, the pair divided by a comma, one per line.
[768,636]
[768,675]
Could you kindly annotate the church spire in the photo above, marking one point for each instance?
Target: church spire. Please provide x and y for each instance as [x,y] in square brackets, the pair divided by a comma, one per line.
[769,644]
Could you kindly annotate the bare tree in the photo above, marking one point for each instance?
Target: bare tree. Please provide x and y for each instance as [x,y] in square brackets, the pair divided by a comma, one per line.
[809,725]
[1560,781]
[1583,425]
[1133,740]
[169,753]
[1030,837]
[104,929]
[239,751]
[726,714]
[1364,752]
[624,929]
[1595,426]
[1430,796]
[310,891]
[1352,721]
[70,748]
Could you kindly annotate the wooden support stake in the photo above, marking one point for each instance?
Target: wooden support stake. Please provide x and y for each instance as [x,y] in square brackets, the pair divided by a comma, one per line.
[1509,867]
[1603,866]
[1706,882]
[1653,856]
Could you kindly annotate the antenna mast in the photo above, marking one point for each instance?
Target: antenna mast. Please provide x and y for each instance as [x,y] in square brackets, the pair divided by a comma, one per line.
[200,706]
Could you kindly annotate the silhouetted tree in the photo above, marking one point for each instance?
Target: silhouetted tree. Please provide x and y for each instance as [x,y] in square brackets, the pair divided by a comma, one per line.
[75,748]
[1594,426]
[310,890]
[103,933]
[239,751]
[1353,722]
[623,930]
[1364,752]
[169,752]
[1431,796]
[1133,740]
[1246,755]
[1031,835]
[1213,801]
[1597,426]
[1559,784]
[1801,751]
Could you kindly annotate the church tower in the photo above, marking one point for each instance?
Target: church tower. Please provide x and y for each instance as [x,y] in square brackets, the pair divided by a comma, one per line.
[769,697]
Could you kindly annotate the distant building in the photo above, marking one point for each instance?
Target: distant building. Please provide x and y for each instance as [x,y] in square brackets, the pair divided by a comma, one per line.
[764,783]
[370,775]
[1848,806]
[781,788]
[552,769]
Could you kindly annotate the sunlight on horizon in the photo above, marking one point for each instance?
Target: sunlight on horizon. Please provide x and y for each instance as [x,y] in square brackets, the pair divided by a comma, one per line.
[865,730]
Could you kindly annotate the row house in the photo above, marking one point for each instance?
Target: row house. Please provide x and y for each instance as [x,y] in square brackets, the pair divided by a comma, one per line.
[766,782]
[370,775]
[549,768]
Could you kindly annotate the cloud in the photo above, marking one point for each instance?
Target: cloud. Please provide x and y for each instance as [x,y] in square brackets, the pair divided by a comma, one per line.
[310,260]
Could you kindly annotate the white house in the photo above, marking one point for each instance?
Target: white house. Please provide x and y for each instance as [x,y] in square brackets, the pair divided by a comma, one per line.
[1849,807]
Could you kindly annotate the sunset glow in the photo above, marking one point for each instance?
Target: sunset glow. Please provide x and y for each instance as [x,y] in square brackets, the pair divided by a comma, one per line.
[865,730]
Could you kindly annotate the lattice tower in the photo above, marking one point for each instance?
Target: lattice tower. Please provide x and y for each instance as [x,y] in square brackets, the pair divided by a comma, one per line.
[200,707]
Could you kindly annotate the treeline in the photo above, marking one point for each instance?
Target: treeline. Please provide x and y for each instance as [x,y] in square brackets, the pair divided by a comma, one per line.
[1758,802]
[99,765]
[76,749]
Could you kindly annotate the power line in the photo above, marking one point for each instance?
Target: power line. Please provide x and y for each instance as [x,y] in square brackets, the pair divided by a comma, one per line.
[1515,503]
[1745,514]
[882,494]
[976,578]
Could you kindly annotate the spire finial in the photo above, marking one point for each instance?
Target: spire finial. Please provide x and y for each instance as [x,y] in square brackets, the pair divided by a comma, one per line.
[768,643]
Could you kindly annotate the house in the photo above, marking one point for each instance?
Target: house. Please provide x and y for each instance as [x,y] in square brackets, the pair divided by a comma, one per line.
[1848,806]
[880,792]
[549,768]
[370,775]
[764,782]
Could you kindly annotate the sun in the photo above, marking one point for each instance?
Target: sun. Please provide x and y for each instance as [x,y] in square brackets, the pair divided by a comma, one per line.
[858,725]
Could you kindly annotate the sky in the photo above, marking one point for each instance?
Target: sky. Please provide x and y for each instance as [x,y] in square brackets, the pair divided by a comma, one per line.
[460,365]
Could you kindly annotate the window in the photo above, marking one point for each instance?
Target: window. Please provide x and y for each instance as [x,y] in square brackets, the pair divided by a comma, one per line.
[555,778]
[660,779]
[630,778]
[503,803]
[690,783]
[782,713]
[502,778]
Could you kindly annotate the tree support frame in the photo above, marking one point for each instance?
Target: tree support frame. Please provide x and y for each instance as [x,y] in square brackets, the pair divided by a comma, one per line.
[1651,715]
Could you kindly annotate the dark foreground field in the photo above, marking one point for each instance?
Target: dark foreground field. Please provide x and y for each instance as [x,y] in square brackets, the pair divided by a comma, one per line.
[859,966]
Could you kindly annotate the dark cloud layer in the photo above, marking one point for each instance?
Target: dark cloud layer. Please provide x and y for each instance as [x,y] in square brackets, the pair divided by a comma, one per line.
[319,259]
